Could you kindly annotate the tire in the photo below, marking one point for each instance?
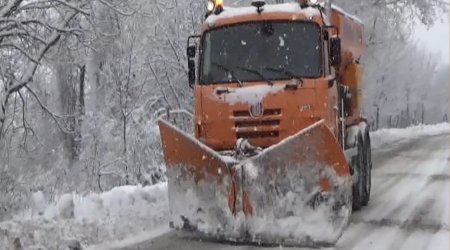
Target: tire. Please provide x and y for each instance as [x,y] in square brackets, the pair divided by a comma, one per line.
[367,172]
[358,168]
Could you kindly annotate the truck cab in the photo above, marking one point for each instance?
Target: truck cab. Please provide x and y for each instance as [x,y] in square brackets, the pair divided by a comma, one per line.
[264,73]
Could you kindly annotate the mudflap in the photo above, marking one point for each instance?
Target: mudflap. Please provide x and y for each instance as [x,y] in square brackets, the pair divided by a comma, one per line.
[300,190]
[297,192]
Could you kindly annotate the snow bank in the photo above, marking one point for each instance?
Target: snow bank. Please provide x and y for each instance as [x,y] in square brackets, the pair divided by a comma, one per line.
[76,220]
[388,136]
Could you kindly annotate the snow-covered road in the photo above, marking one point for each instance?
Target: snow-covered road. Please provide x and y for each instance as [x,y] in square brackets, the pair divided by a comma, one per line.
[409,208]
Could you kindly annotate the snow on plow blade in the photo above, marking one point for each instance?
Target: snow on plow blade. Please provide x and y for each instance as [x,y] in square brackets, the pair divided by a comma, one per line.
[300,190]
[297,192]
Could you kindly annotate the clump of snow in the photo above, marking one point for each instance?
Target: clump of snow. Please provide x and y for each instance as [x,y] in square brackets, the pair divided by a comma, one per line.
[88,220]
[250,95]
[389,136]
[38,203]
[352,134]
[250,170]
[66,207]
[281,41]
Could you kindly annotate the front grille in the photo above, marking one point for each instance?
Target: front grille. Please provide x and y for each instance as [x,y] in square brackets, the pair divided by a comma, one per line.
[248,127]
[267,112]
[256,123]
[254,135]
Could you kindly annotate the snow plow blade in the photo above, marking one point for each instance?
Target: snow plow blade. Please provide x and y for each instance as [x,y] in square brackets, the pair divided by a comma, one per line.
[297,192]
[200,185]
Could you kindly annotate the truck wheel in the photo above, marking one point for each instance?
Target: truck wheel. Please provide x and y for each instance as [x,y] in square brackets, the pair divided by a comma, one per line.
[358,169]
[367,169]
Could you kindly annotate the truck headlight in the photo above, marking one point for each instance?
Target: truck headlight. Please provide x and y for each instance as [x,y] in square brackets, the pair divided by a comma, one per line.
[210,6]
[215,6]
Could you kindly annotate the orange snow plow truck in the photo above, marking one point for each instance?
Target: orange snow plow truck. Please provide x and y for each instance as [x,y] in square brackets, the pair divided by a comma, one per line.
[281,152]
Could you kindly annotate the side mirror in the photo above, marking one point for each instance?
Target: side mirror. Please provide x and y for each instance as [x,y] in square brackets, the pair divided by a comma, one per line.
[335,51]
[191,73]
[191,51]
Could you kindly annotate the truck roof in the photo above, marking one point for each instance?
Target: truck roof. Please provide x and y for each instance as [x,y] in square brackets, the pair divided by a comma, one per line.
[230,13]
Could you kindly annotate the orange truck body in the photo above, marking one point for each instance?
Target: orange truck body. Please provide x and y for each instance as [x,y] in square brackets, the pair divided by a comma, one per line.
[299,126]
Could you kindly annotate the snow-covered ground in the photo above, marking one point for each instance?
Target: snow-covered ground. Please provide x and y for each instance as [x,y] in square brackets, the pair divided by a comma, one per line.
[83,221]
[126,216]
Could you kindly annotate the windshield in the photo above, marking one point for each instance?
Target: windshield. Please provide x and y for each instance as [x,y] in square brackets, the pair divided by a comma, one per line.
[261,51]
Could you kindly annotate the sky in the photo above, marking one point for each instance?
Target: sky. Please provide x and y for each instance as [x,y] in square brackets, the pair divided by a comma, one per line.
[435,39]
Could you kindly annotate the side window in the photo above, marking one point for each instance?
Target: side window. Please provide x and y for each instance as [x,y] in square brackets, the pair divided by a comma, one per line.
[206,66]
[326,53]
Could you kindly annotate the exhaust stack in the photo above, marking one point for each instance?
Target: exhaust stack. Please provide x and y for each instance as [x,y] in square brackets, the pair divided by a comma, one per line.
[328,10]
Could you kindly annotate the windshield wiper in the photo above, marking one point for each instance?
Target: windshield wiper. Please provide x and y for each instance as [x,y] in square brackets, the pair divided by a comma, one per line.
[229,71]
[284,71]
[256,73]
[288,73]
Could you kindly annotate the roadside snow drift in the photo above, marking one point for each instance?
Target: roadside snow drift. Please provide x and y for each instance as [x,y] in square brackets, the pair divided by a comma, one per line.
[389,136]
[75,221]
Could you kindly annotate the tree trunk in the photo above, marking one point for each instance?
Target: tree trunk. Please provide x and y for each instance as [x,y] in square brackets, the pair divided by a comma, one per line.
[80,112]
[3,107]
[127,175]
[68,103]
[81,89]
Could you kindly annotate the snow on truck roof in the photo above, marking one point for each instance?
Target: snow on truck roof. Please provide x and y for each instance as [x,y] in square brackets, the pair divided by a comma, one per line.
[294,8]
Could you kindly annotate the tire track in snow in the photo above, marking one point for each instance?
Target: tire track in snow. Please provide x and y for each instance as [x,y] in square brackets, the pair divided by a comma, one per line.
[391,200]
[382,160]
[425,205]
[410,200]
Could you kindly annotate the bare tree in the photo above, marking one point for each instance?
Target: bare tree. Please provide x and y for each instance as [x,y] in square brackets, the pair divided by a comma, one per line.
[29,30]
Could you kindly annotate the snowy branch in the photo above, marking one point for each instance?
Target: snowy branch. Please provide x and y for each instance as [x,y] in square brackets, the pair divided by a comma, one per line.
[54,116]
[117,9]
